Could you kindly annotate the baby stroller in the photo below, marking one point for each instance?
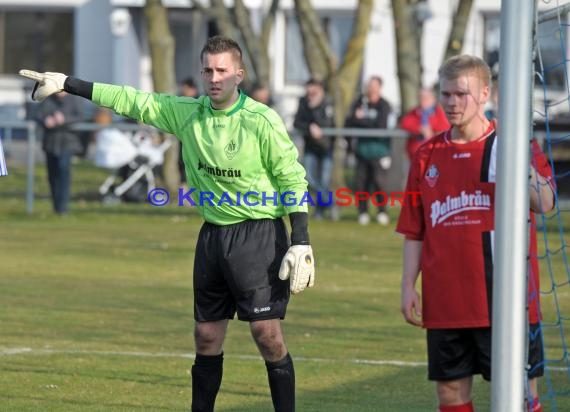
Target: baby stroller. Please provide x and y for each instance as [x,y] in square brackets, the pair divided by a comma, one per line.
[135,160]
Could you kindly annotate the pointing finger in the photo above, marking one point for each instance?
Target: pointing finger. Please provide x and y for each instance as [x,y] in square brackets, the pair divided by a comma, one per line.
[30,74]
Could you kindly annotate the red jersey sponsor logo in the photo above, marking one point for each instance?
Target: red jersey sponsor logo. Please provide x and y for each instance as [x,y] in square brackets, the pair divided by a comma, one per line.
[453,205]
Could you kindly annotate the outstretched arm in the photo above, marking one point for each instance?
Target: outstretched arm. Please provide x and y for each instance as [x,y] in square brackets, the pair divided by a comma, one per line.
[49,83]
[155,109]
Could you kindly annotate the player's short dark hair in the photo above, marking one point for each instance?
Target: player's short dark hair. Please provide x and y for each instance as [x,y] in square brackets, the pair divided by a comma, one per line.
[221,44]
[315,81]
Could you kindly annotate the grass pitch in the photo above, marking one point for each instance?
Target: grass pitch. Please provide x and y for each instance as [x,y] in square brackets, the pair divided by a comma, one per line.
[96,314]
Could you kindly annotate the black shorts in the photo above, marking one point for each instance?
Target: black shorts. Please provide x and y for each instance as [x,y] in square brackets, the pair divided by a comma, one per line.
[459,353]
[236,268]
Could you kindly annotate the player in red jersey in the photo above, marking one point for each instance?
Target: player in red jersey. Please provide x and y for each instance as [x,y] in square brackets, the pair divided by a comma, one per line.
[449,237]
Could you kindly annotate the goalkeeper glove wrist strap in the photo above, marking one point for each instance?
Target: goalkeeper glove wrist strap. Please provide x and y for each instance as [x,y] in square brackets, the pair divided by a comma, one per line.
[299,228]
[78,87]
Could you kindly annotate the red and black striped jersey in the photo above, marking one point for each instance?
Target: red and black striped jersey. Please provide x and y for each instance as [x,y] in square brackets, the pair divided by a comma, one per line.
[454,219]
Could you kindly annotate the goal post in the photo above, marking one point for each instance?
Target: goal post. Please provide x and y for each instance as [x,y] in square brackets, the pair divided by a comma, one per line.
[509,317]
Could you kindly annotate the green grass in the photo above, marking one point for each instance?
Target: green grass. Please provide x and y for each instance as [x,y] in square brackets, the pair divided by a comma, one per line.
[96,308]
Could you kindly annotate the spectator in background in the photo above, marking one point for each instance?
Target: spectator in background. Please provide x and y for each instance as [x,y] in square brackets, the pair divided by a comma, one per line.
[371,110]
[424,121]
[188,88]
[314,112]
[261,94]
[60,144]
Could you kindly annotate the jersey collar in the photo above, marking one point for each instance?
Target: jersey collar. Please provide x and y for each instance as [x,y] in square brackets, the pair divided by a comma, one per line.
[488,132]
[230,110]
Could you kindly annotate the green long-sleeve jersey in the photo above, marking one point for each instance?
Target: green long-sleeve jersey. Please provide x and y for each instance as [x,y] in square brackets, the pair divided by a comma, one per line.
[240,162]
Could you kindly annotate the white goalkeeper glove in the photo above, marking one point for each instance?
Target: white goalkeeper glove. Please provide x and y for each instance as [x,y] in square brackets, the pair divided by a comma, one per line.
[47,83]
[298,265]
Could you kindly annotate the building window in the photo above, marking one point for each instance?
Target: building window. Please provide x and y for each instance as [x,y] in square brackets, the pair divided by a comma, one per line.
[552,43]
[40,41]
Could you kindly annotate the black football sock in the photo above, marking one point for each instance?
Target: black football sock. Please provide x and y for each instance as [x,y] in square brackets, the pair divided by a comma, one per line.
[281,376]
[206,381]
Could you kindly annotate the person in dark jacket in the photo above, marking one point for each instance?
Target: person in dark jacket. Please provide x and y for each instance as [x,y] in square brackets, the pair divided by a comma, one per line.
[314,112]
[60,144]
[371,110]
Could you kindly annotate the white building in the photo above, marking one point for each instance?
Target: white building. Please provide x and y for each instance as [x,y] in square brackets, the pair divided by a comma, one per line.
[105,41]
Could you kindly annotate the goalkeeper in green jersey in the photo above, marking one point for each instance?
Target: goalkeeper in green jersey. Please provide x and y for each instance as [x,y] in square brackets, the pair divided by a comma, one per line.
[244,260]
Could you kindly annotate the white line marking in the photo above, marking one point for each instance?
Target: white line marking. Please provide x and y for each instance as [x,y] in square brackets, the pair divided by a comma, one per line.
[31,351]
[377,362]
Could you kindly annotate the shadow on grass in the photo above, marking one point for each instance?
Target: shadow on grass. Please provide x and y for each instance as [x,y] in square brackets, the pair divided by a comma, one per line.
[412,393]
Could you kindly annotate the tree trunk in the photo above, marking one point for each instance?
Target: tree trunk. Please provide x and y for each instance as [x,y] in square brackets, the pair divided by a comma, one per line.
[257,56]
[407,55]
[237,23]
[348,75]
[458,27]
[318,55]
[341,81]
[344,83]
[268,22]
[224,21]
[161,45]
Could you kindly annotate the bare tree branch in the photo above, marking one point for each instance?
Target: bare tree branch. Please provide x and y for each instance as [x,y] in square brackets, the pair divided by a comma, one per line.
[257,55]
[315,40]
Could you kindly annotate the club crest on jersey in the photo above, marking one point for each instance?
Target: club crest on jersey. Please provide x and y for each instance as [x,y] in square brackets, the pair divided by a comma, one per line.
[231,149]
[432,175]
